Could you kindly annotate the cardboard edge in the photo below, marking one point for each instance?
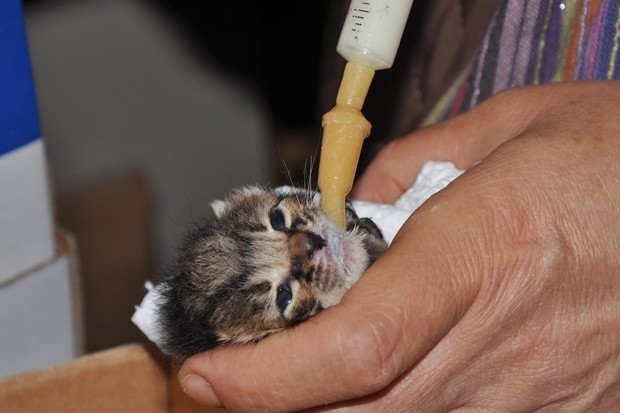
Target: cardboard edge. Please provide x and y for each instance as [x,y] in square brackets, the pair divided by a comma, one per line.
[130,376]
[66,243]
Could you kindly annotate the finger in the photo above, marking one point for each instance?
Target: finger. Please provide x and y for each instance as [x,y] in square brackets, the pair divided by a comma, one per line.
[361,349]
[396,166]
[463,140]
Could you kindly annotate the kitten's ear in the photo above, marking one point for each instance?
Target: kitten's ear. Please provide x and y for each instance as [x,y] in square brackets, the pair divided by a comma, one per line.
[250,190]
[218,207]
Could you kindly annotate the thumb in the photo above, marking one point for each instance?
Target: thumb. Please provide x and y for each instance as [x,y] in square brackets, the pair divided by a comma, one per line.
[463,140]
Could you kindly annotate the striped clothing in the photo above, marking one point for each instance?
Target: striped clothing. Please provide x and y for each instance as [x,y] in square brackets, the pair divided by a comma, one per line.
[532,42]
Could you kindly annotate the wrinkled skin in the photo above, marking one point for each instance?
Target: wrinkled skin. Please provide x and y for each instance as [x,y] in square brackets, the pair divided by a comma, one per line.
[500,294]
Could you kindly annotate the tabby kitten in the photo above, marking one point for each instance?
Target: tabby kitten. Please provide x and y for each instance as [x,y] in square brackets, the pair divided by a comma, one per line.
[269,259]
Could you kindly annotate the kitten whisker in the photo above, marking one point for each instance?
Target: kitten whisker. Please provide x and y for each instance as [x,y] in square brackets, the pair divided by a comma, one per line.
[315,158]
[287,170]
[287,173]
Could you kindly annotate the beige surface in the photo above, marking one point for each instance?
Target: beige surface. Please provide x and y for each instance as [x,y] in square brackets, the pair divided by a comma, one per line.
[130,378]
[126,379]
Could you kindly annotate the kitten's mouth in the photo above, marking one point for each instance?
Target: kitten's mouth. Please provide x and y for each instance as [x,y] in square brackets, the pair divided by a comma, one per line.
[343,253]
[341,261]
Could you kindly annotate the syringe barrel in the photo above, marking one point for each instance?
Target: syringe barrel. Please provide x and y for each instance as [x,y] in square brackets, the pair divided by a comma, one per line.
[372,32]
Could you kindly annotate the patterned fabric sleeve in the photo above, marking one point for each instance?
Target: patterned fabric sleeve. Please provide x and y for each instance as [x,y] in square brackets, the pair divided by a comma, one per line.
[530,42]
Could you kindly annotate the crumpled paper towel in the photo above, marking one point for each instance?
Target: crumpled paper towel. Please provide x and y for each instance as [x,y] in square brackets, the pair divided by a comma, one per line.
[433,177]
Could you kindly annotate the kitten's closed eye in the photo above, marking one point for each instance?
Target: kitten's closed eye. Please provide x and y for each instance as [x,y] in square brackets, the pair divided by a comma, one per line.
[268,260]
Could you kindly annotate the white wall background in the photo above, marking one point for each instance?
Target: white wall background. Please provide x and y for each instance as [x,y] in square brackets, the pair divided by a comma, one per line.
[119,90]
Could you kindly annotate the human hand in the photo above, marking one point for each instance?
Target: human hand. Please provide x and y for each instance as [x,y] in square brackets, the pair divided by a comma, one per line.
[501,293]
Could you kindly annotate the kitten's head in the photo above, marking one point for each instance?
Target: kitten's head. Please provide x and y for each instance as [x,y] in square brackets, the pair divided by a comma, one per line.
[267,260]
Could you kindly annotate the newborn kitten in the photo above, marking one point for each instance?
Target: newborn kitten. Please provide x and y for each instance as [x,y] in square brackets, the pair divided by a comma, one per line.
[269,259]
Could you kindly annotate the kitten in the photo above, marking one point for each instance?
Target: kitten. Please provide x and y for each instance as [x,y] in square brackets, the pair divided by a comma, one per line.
[267,260]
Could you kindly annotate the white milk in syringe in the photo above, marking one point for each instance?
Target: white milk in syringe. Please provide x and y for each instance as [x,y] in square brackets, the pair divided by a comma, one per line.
[369,40]
[372,31]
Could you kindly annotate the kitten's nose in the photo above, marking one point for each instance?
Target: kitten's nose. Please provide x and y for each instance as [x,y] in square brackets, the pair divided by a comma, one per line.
[304,244]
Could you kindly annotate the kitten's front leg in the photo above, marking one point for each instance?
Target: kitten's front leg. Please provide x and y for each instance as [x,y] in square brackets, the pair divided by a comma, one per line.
[373,240]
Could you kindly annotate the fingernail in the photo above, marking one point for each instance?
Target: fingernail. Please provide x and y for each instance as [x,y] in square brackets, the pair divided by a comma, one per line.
[200,390]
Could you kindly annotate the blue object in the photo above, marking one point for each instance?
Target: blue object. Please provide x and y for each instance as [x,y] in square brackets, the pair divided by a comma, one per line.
[19,121]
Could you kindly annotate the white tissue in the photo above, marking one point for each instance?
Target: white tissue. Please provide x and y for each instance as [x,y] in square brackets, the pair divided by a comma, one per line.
[433,177]
[145,315]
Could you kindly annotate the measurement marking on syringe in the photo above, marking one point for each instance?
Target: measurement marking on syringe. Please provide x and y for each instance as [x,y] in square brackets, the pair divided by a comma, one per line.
[372,30]
[359,15]
[360,18]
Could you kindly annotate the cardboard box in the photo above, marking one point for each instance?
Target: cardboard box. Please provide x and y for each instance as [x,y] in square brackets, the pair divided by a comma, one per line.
[111,221]
[40,313]
[26,224]
[130,378]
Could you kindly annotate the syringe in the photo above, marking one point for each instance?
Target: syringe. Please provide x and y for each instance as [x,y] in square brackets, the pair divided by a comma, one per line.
[368,41]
